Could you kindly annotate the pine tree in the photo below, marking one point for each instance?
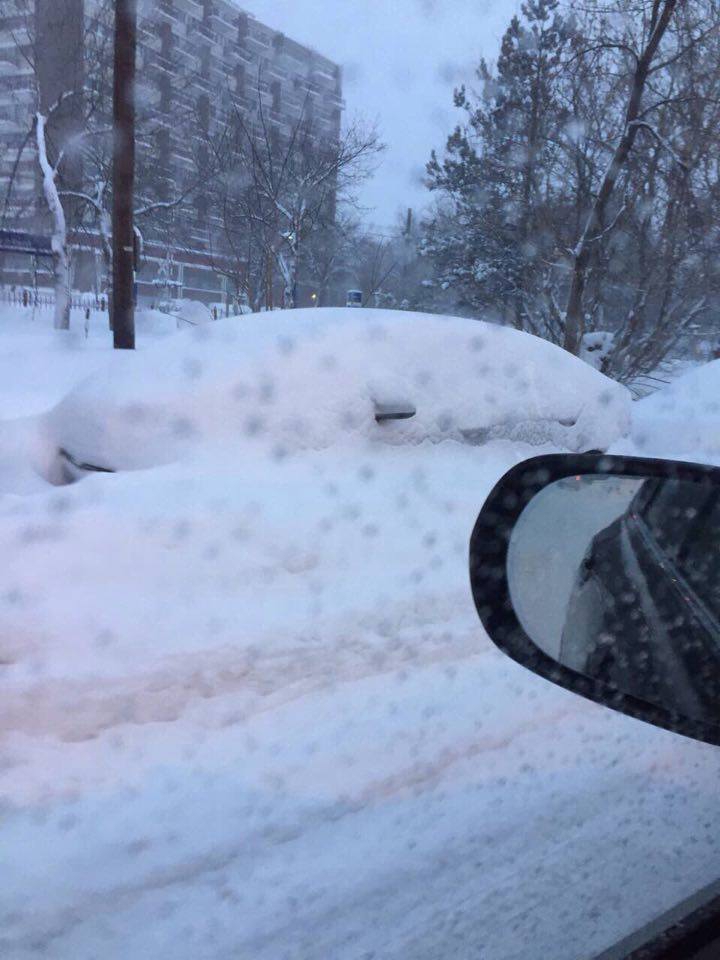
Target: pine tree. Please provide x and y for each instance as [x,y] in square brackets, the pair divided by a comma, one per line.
[489,236]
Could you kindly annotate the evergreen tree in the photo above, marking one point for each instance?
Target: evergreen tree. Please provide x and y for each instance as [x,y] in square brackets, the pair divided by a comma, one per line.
[498,176]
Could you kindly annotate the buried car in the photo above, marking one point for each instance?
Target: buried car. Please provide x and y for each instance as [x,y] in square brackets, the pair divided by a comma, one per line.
[307,379]
[681,419]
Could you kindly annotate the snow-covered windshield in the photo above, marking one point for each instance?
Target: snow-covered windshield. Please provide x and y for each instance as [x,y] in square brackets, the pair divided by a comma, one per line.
[285,288]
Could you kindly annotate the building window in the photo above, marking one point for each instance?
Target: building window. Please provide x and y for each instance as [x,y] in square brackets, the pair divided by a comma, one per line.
[203,106]
[166,40]
[240,79]
[276,91]
[207,10]
[202,206]
[275,140]
[307,152]
[163,147]
[165,85]
[205,62]
[243,23]
[278,43]
[163,154]
[238,126]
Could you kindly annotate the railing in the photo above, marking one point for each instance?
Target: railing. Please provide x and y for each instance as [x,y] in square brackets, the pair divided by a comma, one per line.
[27,297]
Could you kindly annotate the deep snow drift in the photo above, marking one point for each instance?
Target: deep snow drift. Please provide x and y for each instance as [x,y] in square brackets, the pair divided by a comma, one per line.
[248,709]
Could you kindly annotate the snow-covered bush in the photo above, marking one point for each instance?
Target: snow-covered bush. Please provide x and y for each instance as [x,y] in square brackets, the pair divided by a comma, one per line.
[595,348]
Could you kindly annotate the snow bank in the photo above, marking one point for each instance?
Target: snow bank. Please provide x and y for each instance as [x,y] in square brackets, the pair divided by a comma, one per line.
[308,379]
[683,419]
[154,323]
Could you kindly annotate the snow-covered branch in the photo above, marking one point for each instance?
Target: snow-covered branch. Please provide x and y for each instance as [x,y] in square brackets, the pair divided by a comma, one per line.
[610,227]
[644,125]
[160,205]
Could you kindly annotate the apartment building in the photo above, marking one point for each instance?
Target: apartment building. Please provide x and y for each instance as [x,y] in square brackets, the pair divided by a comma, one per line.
[199,62]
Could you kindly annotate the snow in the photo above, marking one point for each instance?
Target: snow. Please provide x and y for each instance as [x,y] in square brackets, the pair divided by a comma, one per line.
[309,379]
[683,419]
[248,708]
[190,312]
[595,347]
[39,365]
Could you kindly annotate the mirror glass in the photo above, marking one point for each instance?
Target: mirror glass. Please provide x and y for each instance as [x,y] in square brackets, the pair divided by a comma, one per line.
[618,578]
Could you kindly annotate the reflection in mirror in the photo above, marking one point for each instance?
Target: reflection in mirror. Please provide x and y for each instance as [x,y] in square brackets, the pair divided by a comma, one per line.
[618,578]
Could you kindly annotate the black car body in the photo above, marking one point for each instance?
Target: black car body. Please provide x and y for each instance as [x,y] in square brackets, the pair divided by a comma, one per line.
[644,615]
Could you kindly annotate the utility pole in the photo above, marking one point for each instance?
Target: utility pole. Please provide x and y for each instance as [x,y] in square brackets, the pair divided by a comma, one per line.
[123,235]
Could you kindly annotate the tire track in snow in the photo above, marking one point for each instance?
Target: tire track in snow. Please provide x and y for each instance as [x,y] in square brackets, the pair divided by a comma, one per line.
[415,778]
[72,711]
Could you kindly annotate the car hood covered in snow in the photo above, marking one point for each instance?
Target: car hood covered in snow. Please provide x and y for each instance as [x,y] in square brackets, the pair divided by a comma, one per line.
[308,379]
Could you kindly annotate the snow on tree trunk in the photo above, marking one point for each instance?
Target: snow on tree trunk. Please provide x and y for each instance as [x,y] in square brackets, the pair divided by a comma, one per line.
[61,257]
[288,269]
[106,245]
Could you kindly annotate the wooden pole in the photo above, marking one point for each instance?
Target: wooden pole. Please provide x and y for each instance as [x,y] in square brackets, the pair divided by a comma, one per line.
[123,236]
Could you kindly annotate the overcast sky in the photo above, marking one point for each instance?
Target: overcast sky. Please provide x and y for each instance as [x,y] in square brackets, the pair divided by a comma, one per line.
[401,60]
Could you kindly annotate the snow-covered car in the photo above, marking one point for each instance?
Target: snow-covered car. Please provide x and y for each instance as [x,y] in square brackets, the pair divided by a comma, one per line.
[683,418]
[312,378]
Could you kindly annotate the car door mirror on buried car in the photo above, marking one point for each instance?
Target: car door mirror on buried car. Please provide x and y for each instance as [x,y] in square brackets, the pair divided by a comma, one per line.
[602,574]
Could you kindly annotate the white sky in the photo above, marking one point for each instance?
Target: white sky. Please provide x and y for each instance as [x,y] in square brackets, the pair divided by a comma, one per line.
[401,60]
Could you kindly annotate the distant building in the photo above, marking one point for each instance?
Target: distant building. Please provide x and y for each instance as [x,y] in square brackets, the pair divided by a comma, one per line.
[198,61]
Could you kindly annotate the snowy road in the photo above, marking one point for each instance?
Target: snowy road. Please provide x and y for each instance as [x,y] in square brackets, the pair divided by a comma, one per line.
[320,779]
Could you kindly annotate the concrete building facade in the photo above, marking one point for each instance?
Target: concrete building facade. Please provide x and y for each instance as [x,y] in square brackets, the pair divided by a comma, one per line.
[199,62]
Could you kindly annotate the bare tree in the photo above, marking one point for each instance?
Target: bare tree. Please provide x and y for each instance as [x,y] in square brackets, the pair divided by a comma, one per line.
[282,183]
[78,138]
[329,258]
[655,19]
[60,121]
[375,262]
[60,252]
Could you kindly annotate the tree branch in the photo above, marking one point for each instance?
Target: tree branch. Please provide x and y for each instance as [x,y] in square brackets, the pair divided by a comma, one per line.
[644,125]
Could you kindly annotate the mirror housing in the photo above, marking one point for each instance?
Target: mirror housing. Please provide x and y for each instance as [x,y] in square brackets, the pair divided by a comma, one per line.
[496,600]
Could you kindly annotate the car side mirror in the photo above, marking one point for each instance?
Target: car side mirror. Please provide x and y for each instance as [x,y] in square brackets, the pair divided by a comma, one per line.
[602,574]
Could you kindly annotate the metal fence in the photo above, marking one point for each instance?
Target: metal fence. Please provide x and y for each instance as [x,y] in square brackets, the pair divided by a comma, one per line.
[43,298]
